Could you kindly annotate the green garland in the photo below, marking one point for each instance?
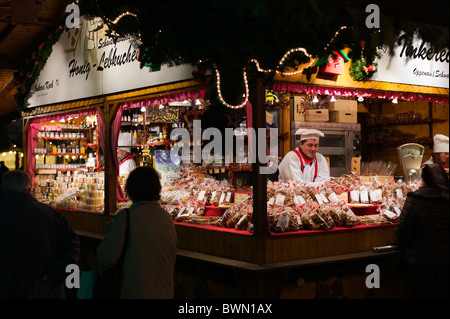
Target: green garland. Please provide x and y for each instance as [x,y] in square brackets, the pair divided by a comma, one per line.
[29,71]
[360,72]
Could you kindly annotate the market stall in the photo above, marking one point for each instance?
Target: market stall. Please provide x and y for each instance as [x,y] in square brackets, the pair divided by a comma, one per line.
[227,214]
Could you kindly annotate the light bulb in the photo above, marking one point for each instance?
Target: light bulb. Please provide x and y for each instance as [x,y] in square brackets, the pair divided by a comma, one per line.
[332,99]
[143,109]
[395,101]
[315,100]
[360,99]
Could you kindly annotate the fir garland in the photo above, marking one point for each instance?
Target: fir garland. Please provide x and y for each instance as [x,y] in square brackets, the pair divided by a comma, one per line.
[360,71]
[30,70]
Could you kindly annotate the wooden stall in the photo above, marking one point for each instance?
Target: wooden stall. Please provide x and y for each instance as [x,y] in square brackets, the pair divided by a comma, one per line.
[223,262]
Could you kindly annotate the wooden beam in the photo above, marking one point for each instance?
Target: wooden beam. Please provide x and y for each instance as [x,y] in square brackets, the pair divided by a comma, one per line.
[257,96]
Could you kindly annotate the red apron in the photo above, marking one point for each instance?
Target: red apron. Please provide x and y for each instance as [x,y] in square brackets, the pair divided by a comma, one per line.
[302,163]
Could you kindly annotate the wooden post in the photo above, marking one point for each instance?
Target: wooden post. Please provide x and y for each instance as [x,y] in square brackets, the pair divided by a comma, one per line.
[257,97]
[25,127]
[108,113]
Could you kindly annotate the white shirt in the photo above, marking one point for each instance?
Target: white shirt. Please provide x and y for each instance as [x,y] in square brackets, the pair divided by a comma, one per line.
[290,170]
[430,161]
[126,167]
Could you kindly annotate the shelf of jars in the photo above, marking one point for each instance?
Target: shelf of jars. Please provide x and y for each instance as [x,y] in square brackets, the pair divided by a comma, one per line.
[59,154]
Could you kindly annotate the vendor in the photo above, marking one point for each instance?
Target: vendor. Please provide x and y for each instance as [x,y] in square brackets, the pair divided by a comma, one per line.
[440,151]
[126,162]
[305,164]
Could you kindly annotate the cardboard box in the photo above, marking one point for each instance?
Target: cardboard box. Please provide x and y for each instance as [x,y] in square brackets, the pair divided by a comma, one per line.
[344,105]
[318,115]
[343,117]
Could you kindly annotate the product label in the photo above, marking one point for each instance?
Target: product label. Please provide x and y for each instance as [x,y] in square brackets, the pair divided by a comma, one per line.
[354,196]
[279,200]
[364,196]
[319,199]
[299,200]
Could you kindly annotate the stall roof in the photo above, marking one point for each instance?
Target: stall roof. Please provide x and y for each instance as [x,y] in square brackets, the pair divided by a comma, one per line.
[374,88]
[136,95]
[23,25]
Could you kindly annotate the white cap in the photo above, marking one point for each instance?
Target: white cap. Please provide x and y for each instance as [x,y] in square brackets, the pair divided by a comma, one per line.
[309,134]
[440,143]
[126,141]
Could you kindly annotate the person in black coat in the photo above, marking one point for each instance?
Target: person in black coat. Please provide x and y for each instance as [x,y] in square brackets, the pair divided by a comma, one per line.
[422,233]
[36,243]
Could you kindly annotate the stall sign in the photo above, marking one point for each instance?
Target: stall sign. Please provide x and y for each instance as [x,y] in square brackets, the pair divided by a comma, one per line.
[417,64]
[85,62]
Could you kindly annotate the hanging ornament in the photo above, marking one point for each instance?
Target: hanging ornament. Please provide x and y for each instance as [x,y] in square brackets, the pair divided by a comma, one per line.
[359,70]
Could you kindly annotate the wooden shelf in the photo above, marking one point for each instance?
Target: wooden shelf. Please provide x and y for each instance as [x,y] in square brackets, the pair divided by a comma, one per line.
[427,141]
[61,138]
[61,154]
[412,122]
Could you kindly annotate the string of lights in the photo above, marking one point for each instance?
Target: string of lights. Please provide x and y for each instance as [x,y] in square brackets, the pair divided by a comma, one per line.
[219,91]
[280,63]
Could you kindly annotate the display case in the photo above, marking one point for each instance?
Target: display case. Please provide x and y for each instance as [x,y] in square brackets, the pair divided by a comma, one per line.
[68,173]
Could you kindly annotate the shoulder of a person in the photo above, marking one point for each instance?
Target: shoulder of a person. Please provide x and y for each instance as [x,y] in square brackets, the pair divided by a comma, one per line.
[320,157]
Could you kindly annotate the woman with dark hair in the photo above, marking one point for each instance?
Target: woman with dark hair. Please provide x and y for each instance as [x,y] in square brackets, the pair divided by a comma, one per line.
[149,253]
[422,233]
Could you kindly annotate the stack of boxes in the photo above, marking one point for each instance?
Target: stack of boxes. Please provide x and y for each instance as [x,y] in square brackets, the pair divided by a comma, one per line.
[343,111]
[340,111]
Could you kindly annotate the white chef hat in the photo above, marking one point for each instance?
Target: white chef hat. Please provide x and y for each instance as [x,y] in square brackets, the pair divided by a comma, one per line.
[126,141]
[440,143]
[309,134]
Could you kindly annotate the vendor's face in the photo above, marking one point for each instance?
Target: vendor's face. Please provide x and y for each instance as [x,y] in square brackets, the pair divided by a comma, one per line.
[309,147]
[443,157]
[121,153]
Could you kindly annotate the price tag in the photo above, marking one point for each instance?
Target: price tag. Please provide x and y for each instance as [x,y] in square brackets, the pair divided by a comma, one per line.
[222,197]
[280,200]
[271,201]
[354,196]
[399,193]
[324,198]
[333,197]
[213,195]
[299,200]
[389,214]
[397,210]
[379,193]
[319,199]
[180,213]
[190,211]
[364,196]
[228,198]
[201,195]
[373,196]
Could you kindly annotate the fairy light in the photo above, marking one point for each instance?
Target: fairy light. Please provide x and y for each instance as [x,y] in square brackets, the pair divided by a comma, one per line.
[219,91]
[286,55]
[335,35]
[120,16]
[280,63]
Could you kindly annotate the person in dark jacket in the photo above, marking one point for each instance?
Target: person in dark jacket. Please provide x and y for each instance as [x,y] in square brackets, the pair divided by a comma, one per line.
[422,233]
[36,243]
[3,170]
